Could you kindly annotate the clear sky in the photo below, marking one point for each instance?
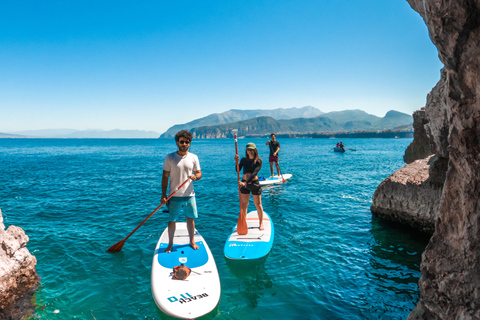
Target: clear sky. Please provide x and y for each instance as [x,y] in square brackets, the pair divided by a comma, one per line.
[148,65]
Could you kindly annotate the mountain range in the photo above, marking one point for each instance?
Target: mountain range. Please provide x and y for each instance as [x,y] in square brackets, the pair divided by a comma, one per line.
[235,115]
[289,121]
[286,121]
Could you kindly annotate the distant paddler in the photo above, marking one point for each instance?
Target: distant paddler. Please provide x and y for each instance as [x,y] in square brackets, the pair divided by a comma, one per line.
[274,146]
[251,165]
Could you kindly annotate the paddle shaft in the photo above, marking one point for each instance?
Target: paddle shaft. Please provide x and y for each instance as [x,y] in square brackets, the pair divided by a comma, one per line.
[283,180]
[242,227]
[119,245]
[238,173]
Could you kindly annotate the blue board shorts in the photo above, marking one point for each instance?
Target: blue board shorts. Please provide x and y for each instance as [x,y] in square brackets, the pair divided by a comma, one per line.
[188,205]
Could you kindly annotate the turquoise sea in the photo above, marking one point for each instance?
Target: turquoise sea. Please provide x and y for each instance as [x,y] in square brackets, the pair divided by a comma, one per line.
[330,260]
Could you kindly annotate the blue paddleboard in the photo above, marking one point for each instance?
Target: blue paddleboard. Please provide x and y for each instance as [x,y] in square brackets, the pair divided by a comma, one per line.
[255,244]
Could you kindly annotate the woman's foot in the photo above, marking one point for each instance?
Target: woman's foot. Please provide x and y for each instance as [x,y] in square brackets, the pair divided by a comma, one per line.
[261,226]
[169,248]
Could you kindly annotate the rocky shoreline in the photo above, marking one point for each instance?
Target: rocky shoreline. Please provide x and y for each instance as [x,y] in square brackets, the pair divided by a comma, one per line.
[18,278]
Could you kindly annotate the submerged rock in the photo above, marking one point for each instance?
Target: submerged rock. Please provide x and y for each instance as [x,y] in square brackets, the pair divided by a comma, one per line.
[18,278]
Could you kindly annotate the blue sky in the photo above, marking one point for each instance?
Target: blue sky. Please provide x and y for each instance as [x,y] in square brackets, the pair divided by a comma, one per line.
[148,65]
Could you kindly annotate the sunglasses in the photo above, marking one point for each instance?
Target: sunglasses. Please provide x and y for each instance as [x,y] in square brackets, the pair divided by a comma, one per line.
[183,142]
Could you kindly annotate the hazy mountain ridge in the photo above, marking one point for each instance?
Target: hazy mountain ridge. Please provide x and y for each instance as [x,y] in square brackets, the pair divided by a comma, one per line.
[324,123]
[91,134]
[235,115]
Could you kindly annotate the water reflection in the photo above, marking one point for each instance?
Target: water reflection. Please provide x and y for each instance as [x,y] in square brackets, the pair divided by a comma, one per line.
[396,245]
[254,278]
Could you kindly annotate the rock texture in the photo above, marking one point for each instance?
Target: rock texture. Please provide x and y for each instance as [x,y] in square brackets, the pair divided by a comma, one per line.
[18,278]
[450,281]
[420,147]
[409,197]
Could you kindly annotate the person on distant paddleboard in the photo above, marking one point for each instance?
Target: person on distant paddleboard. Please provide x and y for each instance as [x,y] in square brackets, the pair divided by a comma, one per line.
[274,149]
[180,166]
[251,165]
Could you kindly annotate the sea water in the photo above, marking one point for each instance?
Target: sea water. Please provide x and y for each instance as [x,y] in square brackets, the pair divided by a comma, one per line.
[330,260]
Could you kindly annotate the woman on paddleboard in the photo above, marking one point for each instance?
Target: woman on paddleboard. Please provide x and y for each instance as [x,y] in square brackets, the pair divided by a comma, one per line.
[251,165]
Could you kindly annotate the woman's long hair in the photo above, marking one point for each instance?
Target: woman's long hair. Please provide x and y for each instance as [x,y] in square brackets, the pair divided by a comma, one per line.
[256,157]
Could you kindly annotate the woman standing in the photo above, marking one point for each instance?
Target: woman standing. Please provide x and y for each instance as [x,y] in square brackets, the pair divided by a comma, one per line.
[251,165]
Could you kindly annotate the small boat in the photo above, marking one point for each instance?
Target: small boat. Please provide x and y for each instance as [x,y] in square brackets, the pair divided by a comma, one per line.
[339,149]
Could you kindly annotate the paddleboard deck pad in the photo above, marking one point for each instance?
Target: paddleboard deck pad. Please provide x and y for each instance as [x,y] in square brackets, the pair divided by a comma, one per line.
[199,293]
[274,179]
[255,244]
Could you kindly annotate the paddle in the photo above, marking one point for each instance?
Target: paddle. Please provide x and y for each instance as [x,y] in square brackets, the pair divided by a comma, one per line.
[117,247]
[283,180]
[242,227]
[350,149]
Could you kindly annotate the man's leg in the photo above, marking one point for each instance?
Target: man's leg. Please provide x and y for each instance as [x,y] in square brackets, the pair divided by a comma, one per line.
[271,168]
[191,232]
[171,233]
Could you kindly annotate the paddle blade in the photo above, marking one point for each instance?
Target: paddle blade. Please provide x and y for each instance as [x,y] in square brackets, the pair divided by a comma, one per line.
[117,247]
[242,228]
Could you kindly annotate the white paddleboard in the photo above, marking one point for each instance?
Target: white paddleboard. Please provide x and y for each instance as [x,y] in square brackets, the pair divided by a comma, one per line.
[275,179]
[199,293]
[255,244]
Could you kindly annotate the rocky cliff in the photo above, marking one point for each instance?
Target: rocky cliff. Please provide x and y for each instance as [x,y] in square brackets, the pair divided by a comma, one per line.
[450,281]
[18,278]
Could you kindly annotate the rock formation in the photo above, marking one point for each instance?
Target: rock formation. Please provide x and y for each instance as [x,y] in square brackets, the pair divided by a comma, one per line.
[450,281]
[409,197]
[420,147]
[18,278]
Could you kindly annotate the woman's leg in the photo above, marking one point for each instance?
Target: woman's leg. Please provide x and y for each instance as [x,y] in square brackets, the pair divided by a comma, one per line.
[257,199]
[245,199]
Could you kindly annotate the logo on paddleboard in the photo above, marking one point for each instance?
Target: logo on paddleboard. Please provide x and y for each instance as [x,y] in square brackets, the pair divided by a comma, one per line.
[182,259]
[240,245]
[186,297]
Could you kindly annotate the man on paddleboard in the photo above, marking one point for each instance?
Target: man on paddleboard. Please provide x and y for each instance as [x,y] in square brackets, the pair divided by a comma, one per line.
[274,149]
[180,166]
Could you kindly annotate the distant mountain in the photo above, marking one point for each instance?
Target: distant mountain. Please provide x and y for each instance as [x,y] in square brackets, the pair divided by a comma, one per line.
[9,135]
[234,115]
[94,134]
[346,121]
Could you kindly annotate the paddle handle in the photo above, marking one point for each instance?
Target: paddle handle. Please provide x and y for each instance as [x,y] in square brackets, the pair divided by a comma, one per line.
[151,214]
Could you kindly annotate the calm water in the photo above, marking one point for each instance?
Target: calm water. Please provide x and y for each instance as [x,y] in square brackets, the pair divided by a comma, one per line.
[330,260]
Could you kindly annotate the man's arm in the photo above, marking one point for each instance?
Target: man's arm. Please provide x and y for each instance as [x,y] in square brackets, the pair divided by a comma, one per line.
[268,142]
[197,175]
[165,176]
[276,152]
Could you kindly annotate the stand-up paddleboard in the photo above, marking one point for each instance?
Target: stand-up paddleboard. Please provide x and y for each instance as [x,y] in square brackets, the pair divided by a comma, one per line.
[255,244]
[275,179]
[199,293]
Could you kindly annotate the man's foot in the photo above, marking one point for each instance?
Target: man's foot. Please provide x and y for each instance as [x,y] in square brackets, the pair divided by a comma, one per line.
[169,248]
[261,227]
[194,245]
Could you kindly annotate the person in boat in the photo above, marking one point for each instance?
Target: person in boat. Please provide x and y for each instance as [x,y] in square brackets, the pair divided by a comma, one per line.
[180,166]
[251,165]
[274,146]
[338,144]
[341,145]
